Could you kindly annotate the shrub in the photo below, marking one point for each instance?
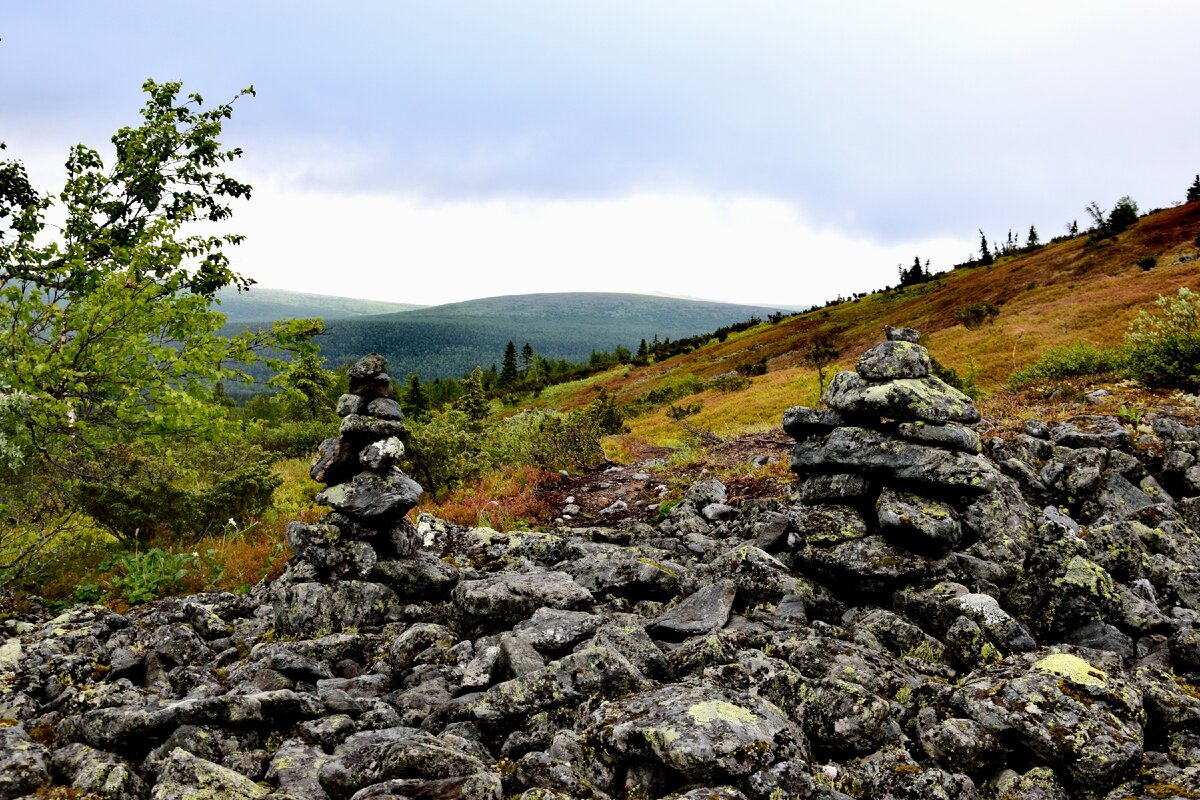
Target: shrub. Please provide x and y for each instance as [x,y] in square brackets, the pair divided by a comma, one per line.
[950,375]
[1072,360]
[977,315]
[751,368]
[1147,263]
[729,382]
[292,439]
[1162,349]
[148,575]
[180,495]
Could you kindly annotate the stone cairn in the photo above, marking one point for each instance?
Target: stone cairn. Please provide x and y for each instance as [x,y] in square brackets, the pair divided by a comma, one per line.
[356,565]
[894,480]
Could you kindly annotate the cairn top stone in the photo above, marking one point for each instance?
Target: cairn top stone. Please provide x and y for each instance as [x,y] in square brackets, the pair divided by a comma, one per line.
[894,359]
[368,366]
[927,399]
[901,334]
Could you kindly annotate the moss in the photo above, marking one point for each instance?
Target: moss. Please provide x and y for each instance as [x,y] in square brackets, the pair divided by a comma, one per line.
[1165,790]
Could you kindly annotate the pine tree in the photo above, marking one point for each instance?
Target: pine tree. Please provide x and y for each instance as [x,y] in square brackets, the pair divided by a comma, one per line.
[643,353]
[416,402]
[508,367]
[526,358]
[1193,193]
[985,254]
[1032,241]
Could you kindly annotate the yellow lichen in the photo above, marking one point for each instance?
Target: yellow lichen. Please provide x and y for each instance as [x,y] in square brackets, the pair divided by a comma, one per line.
[1073,668]
[710,711]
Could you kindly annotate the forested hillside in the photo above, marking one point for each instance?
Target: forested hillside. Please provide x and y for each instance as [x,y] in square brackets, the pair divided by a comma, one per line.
[450,340]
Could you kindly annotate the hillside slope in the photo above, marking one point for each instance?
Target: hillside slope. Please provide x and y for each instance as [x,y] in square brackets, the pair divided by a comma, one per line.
[1069,291]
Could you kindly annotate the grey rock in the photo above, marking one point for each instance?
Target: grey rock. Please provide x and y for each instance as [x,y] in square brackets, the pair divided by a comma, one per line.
[894,359]
[381,455]
[844,488]
[516,597]
[296,769]
[704,733]
[98,772]
[825,526]
[718,512]
[385,408]
[519,657]
[1092,431]
[23,763]
[917,523]
[373,499]
[897,334]
[869,565]
[950,436]
[360,427]
[860,449]
[186,777]
[700,612]
[359,763]
[333,462]
[705,492]
[1088,721]
[552,630]
[1037,429]
[349,404]
[423,576]
[308,608]
[590,673]
[800,422]
[927,399]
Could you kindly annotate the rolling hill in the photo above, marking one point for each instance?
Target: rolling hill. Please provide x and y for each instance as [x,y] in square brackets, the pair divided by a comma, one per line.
[450,340]
[261,304]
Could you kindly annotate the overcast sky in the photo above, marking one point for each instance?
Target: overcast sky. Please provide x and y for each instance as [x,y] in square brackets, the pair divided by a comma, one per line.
[750,151]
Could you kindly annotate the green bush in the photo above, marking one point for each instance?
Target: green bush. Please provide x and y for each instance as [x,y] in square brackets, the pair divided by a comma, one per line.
[1162,349]
[950,375]
[148,575]
[729,382]
[1072,360]
[977,315]
[293,438]
[671,390]
[183,494]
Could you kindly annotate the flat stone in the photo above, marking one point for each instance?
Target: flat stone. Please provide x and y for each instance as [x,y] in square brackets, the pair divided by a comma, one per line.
[186,777]
[373,499]
[950,436]
[901,334]
[851,449]
[928,399]
[360,426]
[800,422]
[702,612]
[894,359]
[1092,431]
[843,488]
[516,597]
[385,408]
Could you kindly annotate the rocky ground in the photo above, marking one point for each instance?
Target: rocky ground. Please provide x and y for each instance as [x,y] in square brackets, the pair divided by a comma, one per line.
[928,614]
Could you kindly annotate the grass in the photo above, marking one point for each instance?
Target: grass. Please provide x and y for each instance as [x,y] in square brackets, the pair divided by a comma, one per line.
[504,500]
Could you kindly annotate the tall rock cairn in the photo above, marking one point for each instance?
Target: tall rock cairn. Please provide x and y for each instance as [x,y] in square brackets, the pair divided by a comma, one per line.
[344,564]
[893,485]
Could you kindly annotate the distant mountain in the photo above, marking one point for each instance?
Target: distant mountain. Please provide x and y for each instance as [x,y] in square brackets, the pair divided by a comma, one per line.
[266,305]
[449,340]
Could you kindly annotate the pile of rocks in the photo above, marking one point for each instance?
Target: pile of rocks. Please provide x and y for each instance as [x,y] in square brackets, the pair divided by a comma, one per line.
[357,566]
[905,626]
[894,480]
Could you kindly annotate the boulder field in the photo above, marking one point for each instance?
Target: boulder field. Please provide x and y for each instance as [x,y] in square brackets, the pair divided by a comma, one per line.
[928,614]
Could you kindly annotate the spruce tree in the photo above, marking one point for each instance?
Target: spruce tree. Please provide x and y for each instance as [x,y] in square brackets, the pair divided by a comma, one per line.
[474,402]
[1193,194]
[416,402]
[508,367]
[526,358]
[1032,241]
[985,253]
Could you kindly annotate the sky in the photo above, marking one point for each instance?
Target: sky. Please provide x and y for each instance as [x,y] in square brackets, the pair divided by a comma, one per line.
[774,153]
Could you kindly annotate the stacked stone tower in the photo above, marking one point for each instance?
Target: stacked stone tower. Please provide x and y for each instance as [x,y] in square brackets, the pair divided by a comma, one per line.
[350,565]
[893,479]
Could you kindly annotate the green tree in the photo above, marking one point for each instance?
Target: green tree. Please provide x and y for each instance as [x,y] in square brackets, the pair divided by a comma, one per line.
[1193,192]
[1123,215]
[1032,239]
[508,367]
[416,402]
[305,384]
[473,402]
[106,320]
[985,253]
[526,358]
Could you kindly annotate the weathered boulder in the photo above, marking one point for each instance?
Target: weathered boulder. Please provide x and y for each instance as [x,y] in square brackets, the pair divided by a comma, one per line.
[927,399]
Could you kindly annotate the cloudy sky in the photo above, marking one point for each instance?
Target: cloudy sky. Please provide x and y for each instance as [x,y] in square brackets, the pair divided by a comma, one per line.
[761,152]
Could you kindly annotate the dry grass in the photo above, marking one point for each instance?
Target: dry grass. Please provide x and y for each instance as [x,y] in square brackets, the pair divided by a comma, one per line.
[504,500]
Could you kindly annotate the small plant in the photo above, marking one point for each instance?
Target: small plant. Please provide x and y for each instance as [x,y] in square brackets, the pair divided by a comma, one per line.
[977,315]
[750,368]
[1131,414]
[683,411]
[149,574]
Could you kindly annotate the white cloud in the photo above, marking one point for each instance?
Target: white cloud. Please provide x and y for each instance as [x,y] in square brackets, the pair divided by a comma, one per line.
[742,249]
